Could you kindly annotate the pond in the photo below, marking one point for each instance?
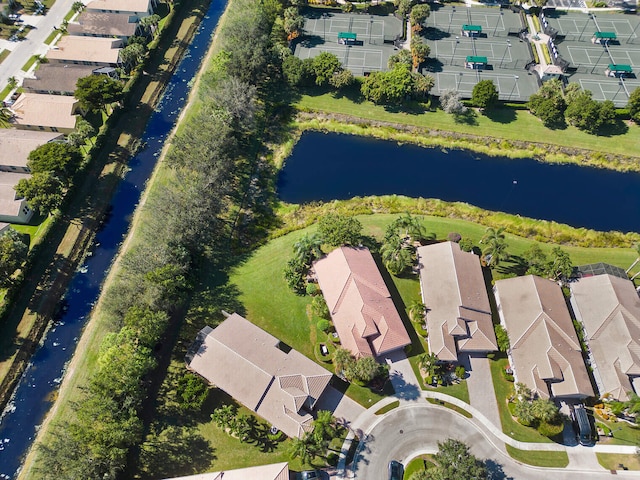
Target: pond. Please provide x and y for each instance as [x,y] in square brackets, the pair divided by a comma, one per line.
[332,166]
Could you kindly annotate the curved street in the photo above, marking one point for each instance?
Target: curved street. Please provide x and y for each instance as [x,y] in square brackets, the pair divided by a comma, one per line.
[415,428]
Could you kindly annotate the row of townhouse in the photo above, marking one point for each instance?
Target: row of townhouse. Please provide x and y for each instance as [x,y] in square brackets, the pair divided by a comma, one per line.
[47,109]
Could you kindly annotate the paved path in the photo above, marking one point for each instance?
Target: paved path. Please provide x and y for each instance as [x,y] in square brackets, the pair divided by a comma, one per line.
[33,44]
[480,384]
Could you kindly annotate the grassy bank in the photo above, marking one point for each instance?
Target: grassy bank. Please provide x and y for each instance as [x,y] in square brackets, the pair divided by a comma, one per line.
[616,461]
[503,123]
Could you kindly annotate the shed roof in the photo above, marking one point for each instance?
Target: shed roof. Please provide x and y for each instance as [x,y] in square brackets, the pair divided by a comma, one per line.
[476,59]
[86,49]
[605,35]
[620,68]
[347,35]
[9,203]
[56,77]
[471,28]
[361,307]
[103,24]
[56,111]
[545,349]
[16,145]
[253,367]
[609,309]
[458,309]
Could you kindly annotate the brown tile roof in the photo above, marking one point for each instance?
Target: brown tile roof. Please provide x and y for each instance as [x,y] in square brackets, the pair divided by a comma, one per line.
[276,471]
[86,49]
[103,24]
[545,350]
[9,204]
[119,5]
[45,110]
[455,295]
[609,309]
[16,145]
[361,307]
[247,363]
[56,77]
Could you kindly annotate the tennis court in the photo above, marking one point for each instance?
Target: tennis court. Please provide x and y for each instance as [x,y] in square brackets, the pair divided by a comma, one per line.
[352,57]
[581,27]
[511,87]
[494,21]
[614,89]
[452,51]
[599,55]
[368,28]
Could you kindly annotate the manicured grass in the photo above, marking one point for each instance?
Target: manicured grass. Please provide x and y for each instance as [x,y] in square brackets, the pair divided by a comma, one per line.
[451,406]
[418,464]
[510,426]
[70,15]
[4,54]
[51,37]
[30,62]
[539,458]
[612,461]
[623,433]
[503,123]
[388,408]
[35,229]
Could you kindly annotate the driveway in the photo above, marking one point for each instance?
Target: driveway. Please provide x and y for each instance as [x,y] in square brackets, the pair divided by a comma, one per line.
[416,428]
[481,393]
[344,409]
[404,381]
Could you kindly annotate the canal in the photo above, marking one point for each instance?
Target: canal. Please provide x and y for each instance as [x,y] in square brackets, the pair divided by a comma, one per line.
[33,396]
[332,166]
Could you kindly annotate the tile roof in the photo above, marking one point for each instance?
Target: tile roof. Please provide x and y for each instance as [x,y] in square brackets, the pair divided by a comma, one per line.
[56,111]
[103,24]
[16,145]
[248,364]
[609,309]
[57,77]
[455,295]
[119,5]
[545,349]
[361,307]
[86,49]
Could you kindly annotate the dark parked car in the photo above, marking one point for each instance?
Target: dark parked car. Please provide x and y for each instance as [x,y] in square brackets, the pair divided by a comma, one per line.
[396,470]
[309,475]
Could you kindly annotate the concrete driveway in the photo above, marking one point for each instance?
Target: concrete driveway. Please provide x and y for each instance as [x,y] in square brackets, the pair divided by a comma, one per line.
[415,428]
[344,409]
[480,384]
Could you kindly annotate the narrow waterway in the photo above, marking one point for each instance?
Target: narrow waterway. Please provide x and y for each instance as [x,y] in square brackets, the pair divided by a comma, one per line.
[333,166]
[33,396]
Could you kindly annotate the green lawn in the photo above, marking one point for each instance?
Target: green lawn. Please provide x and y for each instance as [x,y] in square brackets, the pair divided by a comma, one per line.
[418,464]
[51,37]
[504,390]
[612,461]
[4,54]
[623,433]
[388,408]
[30,62]
[539,458]
[35,229]
[505,123]
[451,406]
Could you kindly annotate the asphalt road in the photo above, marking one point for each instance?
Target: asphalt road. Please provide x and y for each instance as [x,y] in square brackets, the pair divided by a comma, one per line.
[415,429]
[33,44]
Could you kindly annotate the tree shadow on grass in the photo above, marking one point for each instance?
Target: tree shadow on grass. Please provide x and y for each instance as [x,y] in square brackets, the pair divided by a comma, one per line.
[470,117]
[618,128]
[516,265]
[501,115]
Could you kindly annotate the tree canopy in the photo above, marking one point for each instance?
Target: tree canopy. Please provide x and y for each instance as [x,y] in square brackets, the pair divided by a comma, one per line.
[454,461]
[13,252]
[95,92]
[484,94]
[392,87]
[337,230]
[61,159]
[634,105]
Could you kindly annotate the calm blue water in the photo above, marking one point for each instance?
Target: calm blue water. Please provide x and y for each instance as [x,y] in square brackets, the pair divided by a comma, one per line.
[334,166]
[33,395]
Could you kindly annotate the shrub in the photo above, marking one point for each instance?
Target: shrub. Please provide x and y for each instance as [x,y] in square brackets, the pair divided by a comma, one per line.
[312,289]
[460,372]
[332,459]
[324,325]
[319,307]
[454,237]
[466,244]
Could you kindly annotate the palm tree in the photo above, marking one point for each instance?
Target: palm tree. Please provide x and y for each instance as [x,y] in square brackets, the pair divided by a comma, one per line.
[544,410]
[495,246]
[324,427]
[429,363]
[149,23]
[342,359]
[303,448]
[561,265]
[417,311]
[395,256]
[308,248]
[5,116]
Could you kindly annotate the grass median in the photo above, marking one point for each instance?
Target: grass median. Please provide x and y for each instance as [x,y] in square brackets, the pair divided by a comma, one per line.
[539,458]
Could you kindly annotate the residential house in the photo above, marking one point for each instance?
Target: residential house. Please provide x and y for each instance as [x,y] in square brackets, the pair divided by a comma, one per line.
[13,209]
[456,299]
[275,471]
[97,24]
[136,9]
[53,113]
[545,353]
[360,304]
[609,309]
[16,145]
[265,375]
[56,78]
[71,49]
